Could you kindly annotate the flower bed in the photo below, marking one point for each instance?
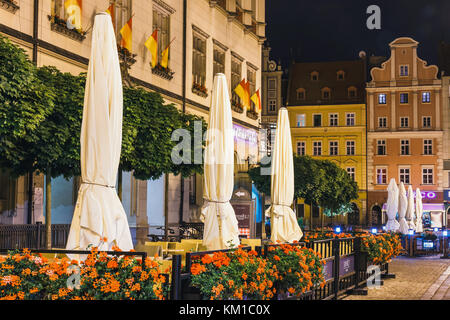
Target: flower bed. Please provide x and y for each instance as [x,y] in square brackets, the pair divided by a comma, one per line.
[381,248]
[239,274]
[26,276]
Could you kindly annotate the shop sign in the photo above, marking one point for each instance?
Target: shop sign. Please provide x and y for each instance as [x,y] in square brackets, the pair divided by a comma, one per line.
[245,135]
[427,194]
[328,270]
[447,194]
[243,214]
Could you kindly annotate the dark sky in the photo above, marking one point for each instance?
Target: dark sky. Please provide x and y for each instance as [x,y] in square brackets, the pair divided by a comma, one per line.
[324,30]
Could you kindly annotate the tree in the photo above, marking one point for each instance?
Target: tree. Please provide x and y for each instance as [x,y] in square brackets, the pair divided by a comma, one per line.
[319,182]
[24,103]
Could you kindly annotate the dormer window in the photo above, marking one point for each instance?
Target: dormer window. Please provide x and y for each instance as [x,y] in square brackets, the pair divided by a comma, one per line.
[351,92]
[314,76]
[301,94]
[340,75]
[326,93]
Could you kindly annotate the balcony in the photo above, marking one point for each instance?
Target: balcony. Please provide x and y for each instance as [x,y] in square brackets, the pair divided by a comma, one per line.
[60,26]
[165,73]
[199,90]
[252,114]
[237,107]
[9,5]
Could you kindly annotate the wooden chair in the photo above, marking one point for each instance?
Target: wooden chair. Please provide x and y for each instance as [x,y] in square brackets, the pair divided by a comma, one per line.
[150,248]
[164,245]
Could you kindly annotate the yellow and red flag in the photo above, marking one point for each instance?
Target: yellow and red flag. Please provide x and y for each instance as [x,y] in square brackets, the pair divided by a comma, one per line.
[73,12]
[256,98]
[247,95]
[241,91]
[111,11]
[127,35]
[165,56]
[152,46]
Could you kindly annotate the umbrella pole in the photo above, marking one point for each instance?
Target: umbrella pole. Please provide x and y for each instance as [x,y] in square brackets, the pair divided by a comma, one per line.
[48,209]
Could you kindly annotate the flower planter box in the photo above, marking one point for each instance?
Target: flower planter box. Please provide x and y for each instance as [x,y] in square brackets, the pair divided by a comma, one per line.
[9,5]
[58,25]
[163,73]
[252,114]
[237,107]
[199,92]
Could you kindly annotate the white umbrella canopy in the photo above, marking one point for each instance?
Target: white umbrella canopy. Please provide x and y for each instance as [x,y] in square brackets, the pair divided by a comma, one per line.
[402,207]
[419,211]
[410,210]
[220,224]
[392,206]
[283,221]
[99,214]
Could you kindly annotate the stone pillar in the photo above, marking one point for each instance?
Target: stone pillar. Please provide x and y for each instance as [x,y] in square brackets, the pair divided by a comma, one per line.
[141,212]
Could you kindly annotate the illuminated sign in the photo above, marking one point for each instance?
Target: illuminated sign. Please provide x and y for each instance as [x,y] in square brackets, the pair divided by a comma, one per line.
[244,134]
[427,194]
[447,195]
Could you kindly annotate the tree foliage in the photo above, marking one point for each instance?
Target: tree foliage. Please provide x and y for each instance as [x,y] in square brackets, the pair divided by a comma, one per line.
[25,102]
[318,182]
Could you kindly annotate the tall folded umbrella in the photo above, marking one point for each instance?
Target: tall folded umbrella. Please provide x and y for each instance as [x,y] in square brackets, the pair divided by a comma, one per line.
[402,207]
[99,218]
[284,224]
[220,224]
[410,210]
[419,211]
[392,206]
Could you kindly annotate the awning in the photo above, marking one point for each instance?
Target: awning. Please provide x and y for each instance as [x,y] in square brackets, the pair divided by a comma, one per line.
[428,207]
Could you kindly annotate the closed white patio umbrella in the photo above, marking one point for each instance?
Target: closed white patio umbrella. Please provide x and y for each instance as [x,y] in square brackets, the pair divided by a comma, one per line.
[392,206]
[402,207]
[419,211]
[283,221]
[410,210]
[99,213]
[220,224]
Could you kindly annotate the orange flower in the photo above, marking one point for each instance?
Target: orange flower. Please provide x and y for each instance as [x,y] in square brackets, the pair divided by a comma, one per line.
[244,276]
[291,290]
[197,268]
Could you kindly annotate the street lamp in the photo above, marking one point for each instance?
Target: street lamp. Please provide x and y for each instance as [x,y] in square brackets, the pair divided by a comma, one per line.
[444,244]
[338,230]
[410,240]
[374,230]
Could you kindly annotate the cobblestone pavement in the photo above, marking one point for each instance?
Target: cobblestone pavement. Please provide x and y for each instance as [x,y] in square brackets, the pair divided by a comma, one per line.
[420,278]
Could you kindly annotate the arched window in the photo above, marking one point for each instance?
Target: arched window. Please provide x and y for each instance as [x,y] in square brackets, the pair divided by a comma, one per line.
[351,91]
[340,75]
[314,76]
[326,93]
[301,94]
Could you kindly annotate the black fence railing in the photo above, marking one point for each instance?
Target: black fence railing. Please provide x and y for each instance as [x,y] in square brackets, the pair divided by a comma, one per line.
[32,236]
[346,270]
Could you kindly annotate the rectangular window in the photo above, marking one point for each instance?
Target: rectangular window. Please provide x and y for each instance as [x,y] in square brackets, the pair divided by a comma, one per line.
[425,97]
[381,147]
[428,146]
[426,122]
[301,95]
[382,122]
[404,147]
[301,120]
[192,189]
[218,61]
[334,148]
[350,148]
[236,69]
[161,22]
[403,98]
[301,148]
[199,60]
[404,175]
[272,84]
[300,210]
[122,13]
[317,148]
[272,105]
[382,98]
[351,172]
[251,78]
[403,70]
[404,122]
[427,175]
[350,119]
[381,176]
[333,117]
[317,120]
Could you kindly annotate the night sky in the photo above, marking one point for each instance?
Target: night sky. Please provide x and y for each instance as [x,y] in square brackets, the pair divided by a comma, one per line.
[326,30]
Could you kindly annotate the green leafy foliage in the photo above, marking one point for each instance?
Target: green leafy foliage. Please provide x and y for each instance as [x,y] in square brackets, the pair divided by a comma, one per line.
[25,102]
[318,182]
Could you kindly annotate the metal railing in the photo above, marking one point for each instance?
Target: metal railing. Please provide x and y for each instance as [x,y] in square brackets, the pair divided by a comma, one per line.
[32,236]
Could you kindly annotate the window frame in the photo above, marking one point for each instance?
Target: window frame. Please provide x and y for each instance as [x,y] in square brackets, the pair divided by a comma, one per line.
[350,116]
[403,121]
[301,115]
[381,145]
[333,147]
[427,148]
[352,172]
[385,123]
[384,175]
[404,94]
[428,95]
[426,118]
[317,144]
[331,120]
[404,67]
[404,174]
[314,122]
[427,174]
[384,100]
[405,147]
[350,145]
[301,145]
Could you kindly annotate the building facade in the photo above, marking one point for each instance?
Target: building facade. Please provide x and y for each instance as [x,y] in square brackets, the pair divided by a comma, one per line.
[209,37]
[405,129]
[326,104]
